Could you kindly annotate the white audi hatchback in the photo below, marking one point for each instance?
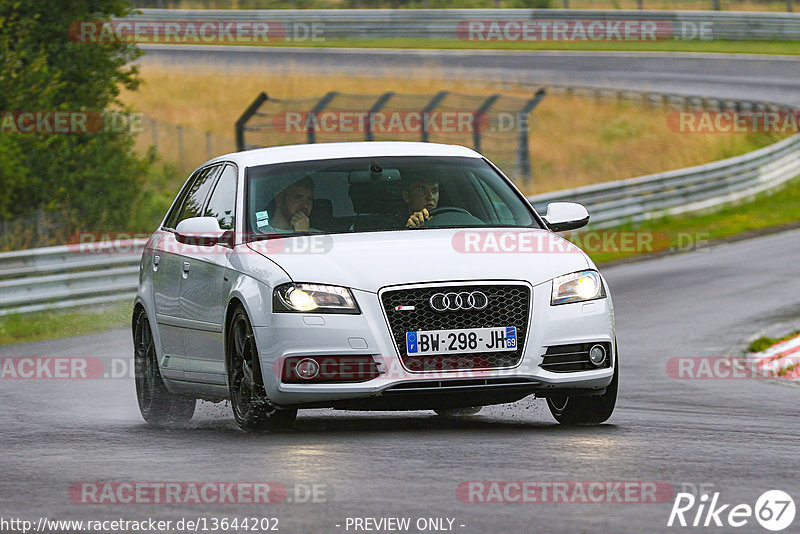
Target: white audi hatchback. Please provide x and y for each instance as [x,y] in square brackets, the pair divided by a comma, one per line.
[368,276]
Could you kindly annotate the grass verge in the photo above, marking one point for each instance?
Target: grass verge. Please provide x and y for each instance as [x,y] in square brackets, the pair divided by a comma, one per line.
[765,342]
[710,47]
[58,324]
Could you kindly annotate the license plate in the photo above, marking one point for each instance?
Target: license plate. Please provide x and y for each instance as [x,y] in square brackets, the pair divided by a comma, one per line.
[462,341]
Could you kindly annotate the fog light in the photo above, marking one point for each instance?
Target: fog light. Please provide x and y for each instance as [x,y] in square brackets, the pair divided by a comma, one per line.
[307,369]
[597,355]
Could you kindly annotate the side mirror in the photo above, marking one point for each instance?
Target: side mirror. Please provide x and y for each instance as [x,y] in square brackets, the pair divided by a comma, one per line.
[202,231]
[563,216]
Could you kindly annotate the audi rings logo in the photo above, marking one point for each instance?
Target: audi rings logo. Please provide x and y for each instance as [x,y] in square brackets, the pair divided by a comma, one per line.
[476,300]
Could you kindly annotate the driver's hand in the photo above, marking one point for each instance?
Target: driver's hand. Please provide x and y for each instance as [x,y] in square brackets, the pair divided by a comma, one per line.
[300,222]
[418,218]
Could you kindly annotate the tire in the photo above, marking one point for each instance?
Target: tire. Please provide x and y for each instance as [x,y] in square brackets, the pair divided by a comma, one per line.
[158,406]
[458,412]
[586,410]
[251,407]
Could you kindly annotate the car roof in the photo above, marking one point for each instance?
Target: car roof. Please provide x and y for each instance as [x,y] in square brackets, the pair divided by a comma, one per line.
[318,151]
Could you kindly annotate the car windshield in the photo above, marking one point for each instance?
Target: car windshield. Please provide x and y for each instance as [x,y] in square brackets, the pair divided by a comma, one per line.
[381,193]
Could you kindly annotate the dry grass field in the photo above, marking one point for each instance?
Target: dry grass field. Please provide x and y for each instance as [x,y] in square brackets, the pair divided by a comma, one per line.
[574,141]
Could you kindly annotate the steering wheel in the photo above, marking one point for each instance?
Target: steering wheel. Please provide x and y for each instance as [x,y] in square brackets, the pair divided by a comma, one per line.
[447,209]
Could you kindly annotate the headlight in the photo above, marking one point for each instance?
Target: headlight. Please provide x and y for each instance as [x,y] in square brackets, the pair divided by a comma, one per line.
[313,298]
[577,287]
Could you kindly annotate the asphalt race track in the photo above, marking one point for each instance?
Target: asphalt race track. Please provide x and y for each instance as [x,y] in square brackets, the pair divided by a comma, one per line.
[737,437]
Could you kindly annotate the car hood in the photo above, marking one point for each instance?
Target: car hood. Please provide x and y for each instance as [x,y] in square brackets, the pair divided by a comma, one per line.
[370,261]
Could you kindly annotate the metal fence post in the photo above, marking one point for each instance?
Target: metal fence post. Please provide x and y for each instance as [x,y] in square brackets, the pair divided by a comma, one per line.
[376,107]
[180,145]
[249,112]
[523,151]
[435,101]
[476,121]
[311,136]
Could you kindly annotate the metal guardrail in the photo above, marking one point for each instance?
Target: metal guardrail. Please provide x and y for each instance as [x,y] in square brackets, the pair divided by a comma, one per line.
[68,276]
[684,190]
[452,23]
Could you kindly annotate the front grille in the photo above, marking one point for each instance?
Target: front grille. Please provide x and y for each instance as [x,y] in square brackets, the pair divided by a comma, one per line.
[575,357]
[509,305]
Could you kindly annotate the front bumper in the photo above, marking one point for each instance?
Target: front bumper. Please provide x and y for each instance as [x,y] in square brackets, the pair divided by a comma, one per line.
[397,388]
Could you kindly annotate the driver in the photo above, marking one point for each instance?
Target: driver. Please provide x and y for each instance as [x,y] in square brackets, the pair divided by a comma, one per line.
[422,196]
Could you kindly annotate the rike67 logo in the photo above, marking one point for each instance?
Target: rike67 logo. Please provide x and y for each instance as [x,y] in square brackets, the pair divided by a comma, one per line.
[774,510]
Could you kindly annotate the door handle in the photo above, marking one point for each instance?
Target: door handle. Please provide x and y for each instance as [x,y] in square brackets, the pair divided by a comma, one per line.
[186,266]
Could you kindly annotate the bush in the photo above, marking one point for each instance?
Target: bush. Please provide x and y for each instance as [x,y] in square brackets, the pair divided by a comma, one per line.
[95,177]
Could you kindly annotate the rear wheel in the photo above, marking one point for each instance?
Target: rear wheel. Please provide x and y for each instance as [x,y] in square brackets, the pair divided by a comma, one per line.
[158,406]
[586,410]
[251,407]
[458,412]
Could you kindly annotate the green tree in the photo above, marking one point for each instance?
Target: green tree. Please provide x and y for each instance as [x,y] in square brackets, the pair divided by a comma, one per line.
[95,177]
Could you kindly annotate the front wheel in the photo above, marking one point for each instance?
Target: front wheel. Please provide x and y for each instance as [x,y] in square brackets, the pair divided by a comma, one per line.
[158,406]
[586,410]
[251,407]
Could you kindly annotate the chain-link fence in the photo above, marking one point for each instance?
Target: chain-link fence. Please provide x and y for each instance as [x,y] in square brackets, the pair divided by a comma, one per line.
[183,146]
[496,125]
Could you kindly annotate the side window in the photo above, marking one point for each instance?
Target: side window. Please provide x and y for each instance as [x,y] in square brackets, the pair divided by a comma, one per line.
[197,194]
[222,204]
[172,217]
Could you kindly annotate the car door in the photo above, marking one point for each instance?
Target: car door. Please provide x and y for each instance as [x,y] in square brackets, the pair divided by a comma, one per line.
[205,285]
[167,264]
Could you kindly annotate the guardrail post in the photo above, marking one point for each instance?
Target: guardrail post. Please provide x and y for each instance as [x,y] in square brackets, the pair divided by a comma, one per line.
[435,101]
[249,112]
[311,136]
[523,151]
[376,107]
[476,121]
